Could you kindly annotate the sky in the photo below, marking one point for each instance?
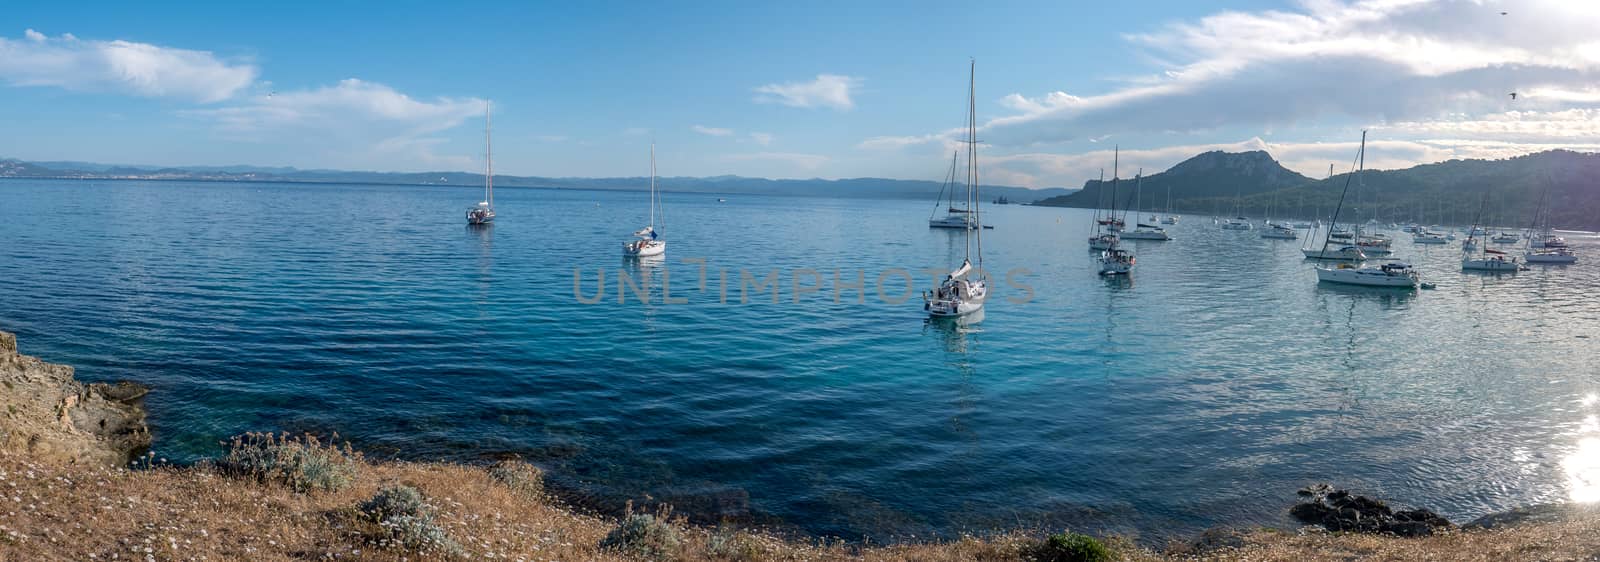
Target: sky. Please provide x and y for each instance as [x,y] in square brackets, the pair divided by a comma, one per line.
[796,89]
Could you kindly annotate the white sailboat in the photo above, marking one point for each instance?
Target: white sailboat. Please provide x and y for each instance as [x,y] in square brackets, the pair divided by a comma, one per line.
[1543,246]
[1385,275]
[483,212]
[965,289]
[649,242]
[1486,259]
[1142,231]
[1104,237]
[1170,218]
[954,217]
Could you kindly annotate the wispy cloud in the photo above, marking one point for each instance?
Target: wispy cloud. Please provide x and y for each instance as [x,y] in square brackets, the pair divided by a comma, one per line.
[119,66]
[828,90]
[357,120]
[763,139]
[805,161]
[713,131]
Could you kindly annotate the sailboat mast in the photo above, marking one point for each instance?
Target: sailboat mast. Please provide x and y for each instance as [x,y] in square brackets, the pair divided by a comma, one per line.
[488,155]
[652,222]
[1116,153]
[1361,162]
[972,164]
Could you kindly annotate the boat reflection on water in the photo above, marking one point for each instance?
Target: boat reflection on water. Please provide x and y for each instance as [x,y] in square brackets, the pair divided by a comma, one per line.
[955,332]
[1118,282]
[1582,466]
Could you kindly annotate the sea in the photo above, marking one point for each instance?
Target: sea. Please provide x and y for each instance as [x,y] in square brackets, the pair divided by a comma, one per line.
[775,368]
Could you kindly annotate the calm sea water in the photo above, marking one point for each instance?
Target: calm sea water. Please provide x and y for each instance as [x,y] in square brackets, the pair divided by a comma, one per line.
[1205,390]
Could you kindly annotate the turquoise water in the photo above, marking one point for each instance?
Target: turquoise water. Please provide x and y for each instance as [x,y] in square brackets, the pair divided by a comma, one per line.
[1204,390]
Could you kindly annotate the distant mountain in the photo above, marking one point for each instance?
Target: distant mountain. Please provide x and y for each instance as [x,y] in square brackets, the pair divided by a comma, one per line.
[854,187]
[1451,192]
[1209,174]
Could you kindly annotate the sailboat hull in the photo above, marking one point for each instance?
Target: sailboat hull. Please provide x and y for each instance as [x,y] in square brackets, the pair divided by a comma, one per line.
[1366,276]
[1490,264]
[644,248]
[1141,234]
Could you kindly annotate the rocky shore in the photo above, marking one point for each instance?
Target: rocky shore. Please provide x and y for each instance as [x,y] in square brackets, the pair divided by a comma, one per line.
[68,494]
[51,417]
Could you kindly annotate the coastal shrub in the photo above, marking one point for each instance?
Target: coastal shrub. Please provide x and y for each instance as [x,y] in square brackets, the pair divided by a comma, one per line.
[651,537]
[405,521]
[734,545]
[393,501]
[1072,547]
[302,463]
[523,478]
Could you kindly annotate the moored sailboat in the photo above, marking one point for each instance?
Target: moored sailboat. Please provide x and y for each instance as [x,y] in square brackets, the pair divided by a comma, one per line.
[649,242]
[483,212]
[1142,231]
[1385,275]
[965,289]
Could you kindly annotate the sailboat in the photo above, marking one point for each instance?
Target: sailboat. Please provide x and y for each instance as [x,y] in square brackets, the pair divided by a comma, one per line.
[1278,230]
[1238,222]
[1113,259]
[965,289]
[1344,250]
[1487,259]
[1108,225]
[1142,231]
[483,212]
[955,217]
[1393,274]
[1540,248]
[1170,218]
[649,242]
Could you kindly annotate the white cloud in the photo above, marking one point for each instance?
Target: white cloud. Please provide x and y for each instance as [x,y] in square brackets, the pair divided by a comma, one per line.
[713,131]
[355,122]
[894,142]
[121,66]
[763,139]
[828,90]
[1371,61]
[805,161]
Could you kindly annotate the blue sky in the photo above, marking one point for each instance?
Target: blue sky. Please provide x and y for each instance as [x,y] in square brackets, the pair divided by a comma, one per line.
[802,89]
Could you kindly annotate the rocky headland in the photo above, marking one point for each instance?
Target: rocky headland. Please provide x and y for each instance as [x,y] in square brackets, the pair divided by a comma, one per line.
[51,417]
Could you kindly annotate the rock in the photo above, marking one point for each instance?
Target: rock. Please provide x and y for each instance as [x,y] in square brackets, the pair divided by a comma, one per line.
[1309,512]
[51,417]
[1339,510]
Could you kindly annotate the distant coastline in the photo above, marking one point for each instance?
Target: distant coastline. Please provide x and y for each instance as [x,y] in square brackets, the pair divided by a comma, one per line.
[859,188]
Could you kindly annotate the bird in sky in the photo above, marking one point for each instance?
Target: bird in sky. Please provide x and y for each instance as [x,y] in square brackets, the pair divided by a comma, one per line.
[1513,96]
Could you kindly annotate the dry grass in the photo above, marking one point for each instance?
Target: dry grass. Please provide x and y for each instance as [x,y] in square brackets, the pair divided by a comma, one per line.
[75,512]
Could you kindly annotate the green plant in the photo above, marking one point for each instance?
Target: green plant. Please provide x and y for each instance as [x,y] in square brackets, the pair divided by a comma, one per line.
[302,463]
[394,500]
[651,537]
[406,521]
[523,478]
[1072,547]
